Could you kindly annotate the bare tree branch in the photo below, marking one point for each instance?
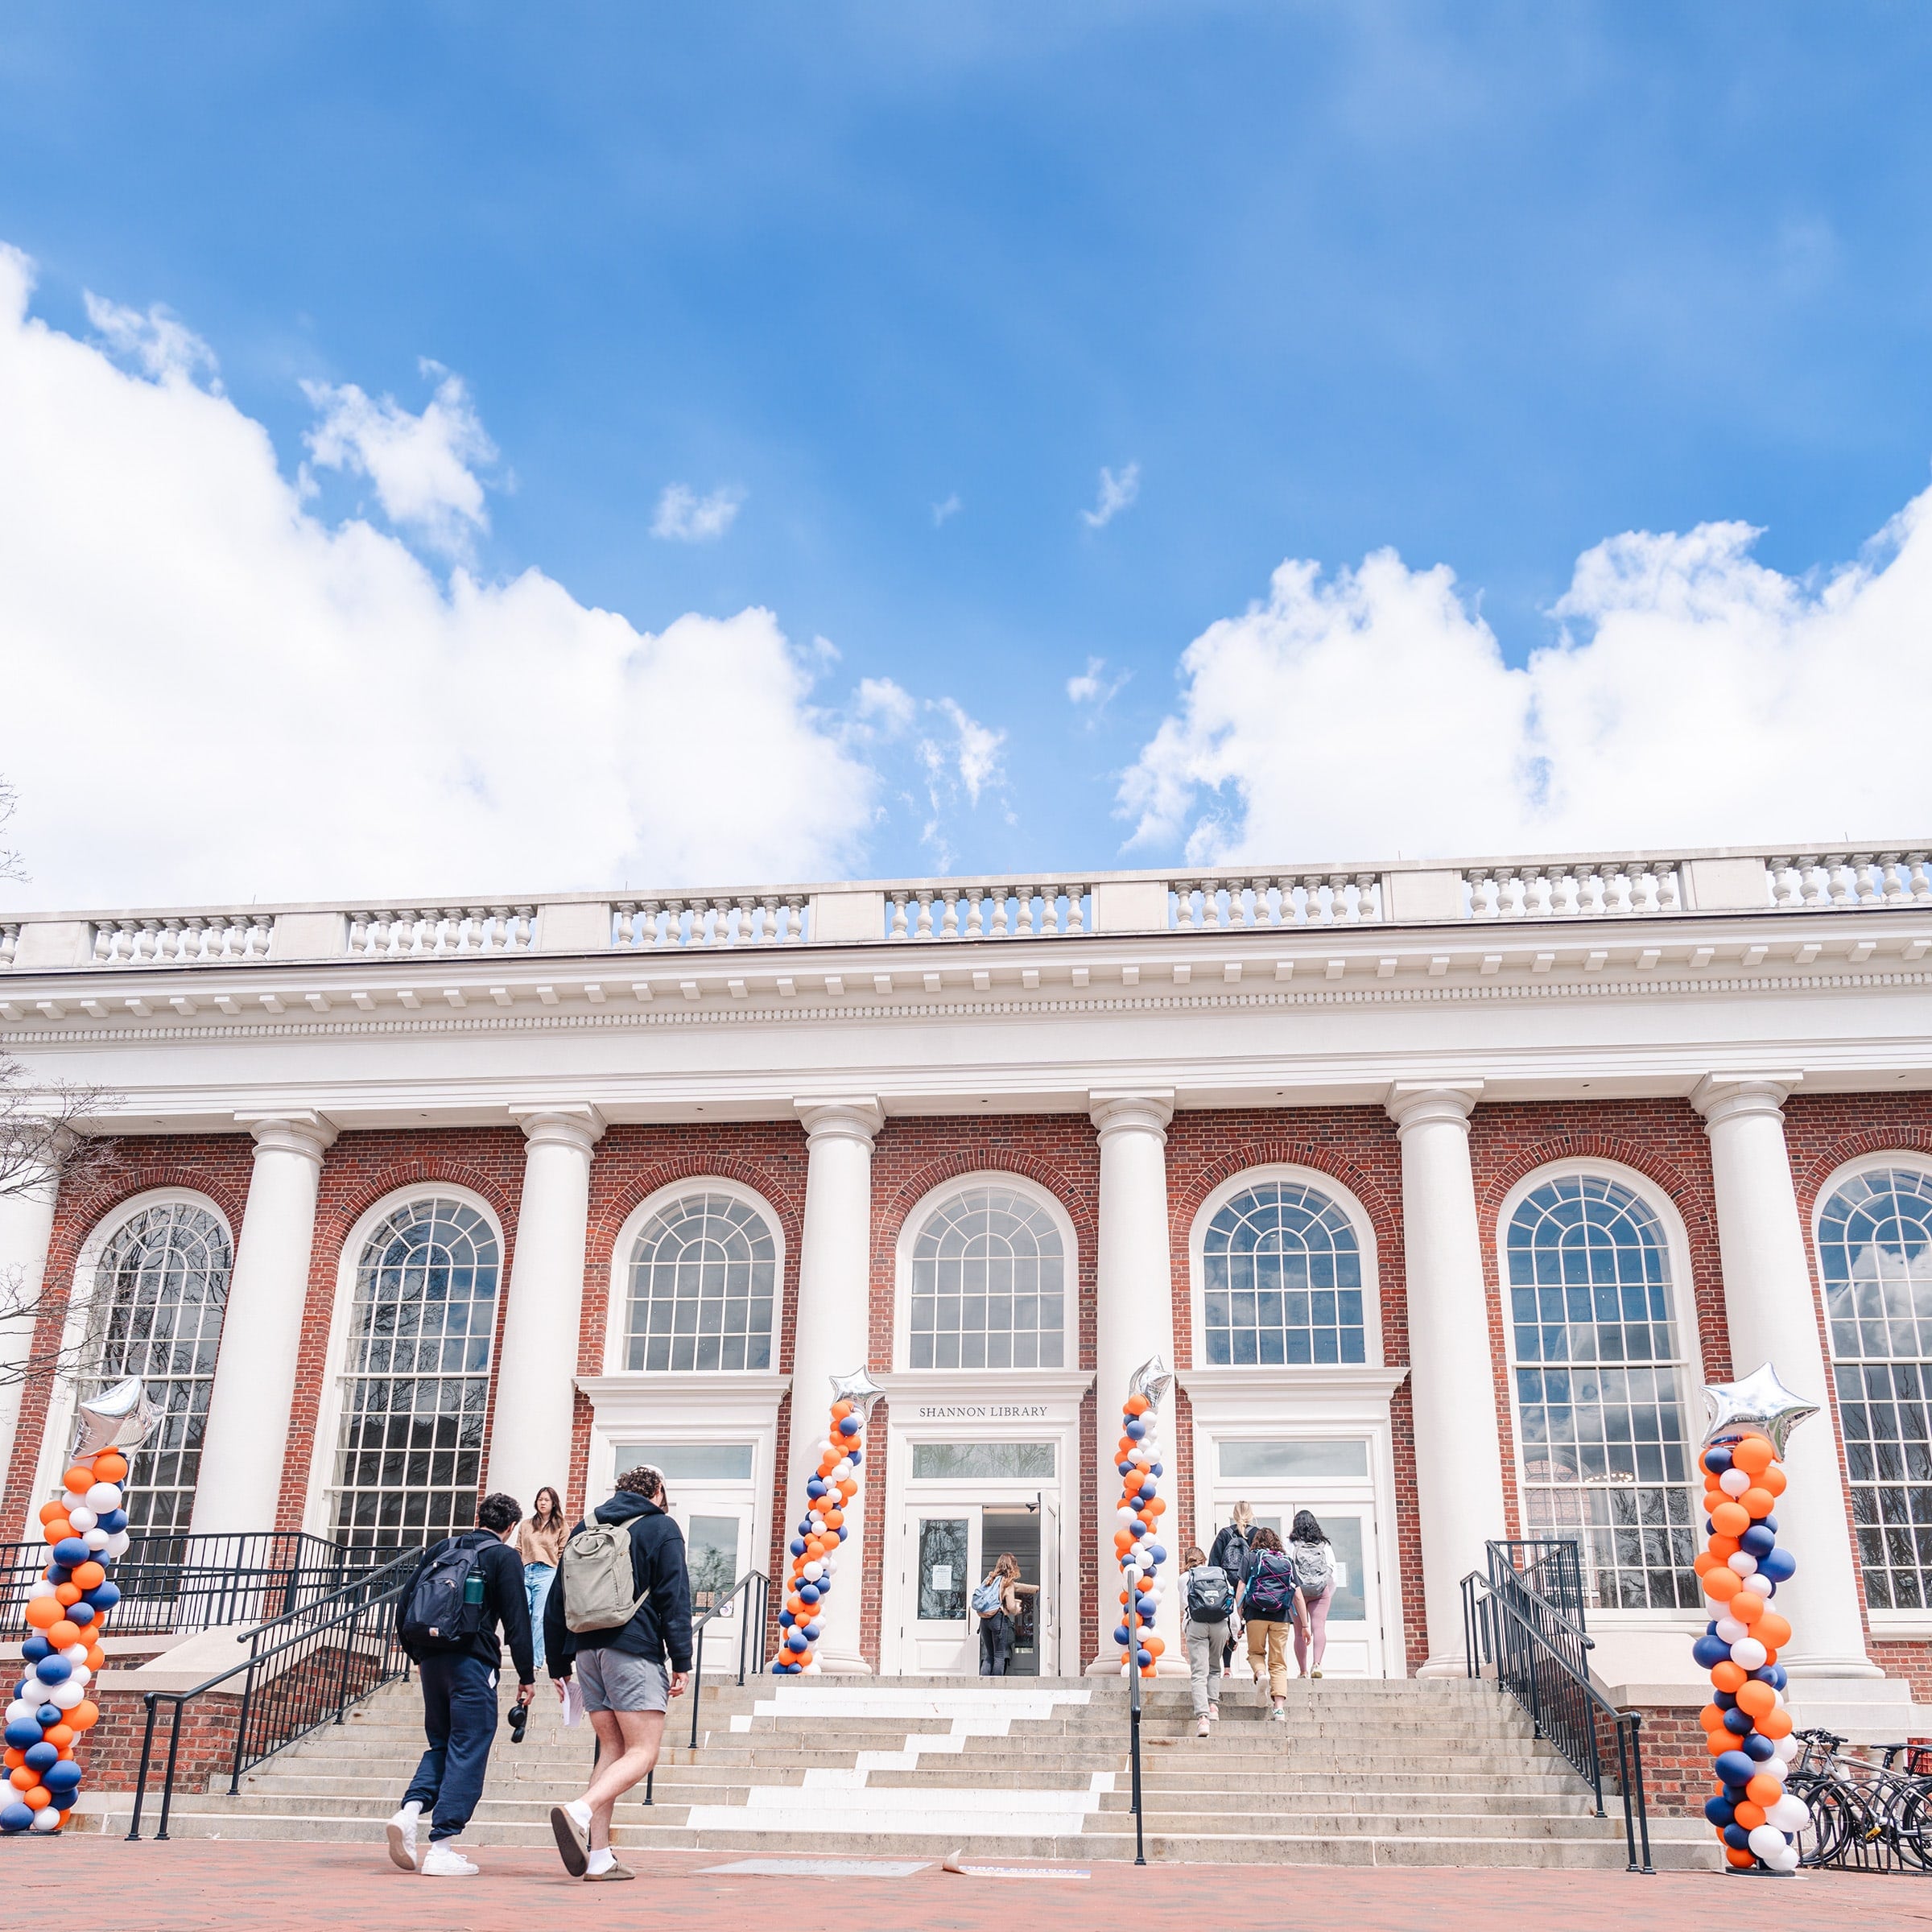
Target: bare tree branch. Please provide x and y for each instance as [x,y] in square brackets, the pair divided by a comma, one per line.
[11,865]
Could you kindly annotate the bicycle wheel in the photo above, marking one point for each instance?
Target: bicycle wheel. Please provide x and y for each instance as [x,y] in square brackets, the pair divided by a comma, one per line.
[1835,1818]
[1909,1822]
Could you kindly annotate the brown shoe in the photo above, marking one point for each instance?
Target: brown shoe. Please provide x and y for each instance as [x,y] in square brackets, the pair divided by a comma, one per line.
[610,1873]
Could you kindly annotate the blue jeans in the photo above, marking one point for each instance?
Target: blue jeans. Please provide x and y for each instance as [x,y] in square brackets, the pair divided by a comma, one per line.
[537,1579]
[460,1720]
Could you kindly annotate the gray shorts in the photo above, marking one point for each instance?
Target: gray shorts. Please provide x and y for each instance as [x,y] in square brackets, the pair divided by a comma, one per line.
[614,1680]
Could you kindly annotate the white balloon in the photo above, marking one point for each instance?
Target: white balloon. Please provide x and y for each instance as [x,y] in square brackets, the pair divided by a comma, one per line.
[1743,1562]
[1787,1749]
[1786,1860]
[81,1673]
[117,1544]
[69,1499]
[1731,1631]
[1788,1813]
[103,1497]
[77,1654]
[831,1565]
[42,1588]
[1747,1653]
[1758,1586]
[1734,1482]
[46,1819]
[1767,1841]
[83,1518]
[814,1570]
[20,1708]
[97,1538]
[66,1695]
[1125,1515]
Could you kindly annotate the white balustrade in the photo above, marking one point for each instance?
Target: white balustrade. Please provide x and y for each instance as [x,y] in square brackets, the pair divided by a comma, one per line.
[1318,899]
[9,939]
[440,931]
[1822,881]
[1578,891]
[192,939]
[990,909]
[711,919]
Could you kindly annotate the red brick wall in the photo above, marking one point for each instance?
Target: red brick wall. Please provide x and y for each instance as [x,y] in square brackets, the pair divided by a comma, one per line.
[1357,1147]
[1676,1760]
[110,1754]
[217,1165]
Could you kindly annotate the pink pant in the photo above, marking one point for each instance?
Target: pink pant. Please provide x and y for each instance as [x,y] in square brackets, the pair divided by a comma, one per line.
[1317,1641]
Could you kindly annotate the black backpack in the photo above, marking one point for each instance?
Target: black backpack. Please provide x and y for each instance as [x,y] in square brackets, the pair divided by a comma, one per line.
[1210,1595]
[1271,1588]
[446,1608]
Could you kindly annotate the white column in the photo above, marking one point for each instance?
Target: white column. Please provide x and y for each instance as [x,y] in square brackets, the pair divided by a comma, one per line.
[26,1225]
[1459,1453]
[529,1437]
[831,1337]
[1133,1319]
[1771,1310]
[240,1483]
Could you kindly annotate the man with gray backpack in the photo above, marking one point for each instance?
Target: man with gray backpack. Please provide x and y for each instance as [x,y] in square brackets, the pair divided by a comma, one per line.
[618,1619]
[1207,1615]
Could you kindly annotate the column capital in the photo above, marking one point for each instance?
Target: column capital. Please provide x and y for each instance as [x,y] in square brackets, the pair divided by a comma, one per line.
[300,1131]
[1145,1110]
[841,1117]
[571,1125]
[1428,1102]
[1728,1097]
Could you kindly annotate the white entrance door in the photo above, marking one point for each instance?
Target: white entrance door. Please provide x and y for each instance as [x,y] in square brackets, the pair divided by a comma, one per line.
[1354,1627]
[941,1565]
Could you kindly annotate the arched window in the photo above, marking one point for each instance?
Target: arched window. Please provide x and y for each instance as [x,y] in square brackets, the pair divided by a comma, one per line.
[703,1278]
[1875,1244]
[416,1377]
[1282,1279]
[1601,1389]
[159,1288]
[988,1284]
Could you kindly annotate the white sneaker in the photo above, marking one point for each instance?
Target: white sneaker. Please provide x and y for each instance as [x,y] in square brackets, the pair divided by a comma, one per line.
[443,1861]
[401,1830]
[1279,1714]
[1214,1713]
[1200,1726]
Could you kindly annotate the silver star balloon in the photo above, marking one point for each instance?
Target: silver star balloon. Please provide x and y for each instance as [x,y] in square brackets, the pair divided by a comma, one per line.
[119,1418]
[858,1389]
[1760,1402]
[1152,1379]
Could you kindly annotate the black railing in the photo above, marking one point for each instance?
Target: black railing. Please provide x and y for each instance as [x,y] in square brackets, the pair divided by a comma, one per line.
[171,1584]
[1134,1760]
[1541,1657]
[755,1588]
[303,1670]
[1551,1567]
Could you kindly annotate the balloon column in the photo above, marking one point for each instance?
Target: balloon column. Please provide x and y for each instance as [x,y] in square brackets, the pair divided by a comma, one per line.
[1749,1729]
[1138,1457]
[86,1528]
[822,1528]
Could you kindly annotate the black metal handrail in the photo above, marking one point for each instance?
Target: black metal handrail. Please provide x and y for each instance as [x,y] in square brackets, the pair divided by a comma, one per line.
[1133,1758]
[303,1669]
[1551,1566]
[754,1585]
[1540,1657]
[171,1583]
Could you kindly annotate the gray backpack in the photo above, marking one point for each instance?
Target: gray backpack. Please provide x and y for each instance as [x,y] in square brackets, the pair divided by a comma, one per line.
[598,1579]
[1314,1567]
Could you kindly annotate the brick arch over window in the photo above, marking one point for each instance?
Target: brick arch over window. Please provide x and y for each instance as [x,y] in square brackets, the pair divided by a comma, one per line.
[357,1172]
[1663,1142]
[215,1165]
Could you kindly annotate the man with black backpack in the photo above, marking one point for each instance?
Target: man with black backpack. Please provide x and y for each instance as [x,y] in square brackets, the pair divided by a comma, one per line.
[1206,1609]
[619,1620]
[463,1589]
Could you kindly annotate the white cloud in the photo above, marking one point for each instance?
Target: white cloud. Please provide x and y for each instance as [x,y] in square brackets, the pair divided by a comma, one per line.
[886,707]
[164,345]
[684,517]
[1689,695]
[420,464]
[972,756]
[212,695]
[944,512]
[1093,687]
[1117,493]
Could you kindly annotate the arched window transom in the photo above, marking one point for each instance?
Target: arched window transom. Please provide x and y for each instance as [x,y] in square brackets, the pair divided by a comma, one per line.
[416,1378]
[1601,1387]
[703,1278]
[1282,1279]
[988,1284]
[160,1289]
[1875,1244]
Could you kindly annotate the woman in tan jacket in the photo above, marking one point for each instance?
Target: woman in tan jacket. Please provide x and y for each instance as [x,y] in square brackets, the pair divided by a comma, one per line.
[540,1543]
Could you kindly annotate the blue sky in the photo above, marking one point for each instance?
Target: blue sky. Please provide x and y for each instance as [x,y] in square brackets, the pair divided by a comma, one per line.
[1492,286]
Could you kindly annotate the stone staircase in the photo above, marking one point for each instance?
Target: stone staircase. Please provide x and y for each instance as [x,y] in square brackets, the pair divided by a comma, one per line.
[1404,1772]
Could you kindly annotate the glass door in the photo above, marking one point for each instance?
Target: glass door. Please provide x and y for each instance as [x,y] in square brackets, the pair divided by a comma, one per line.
[1354,1634]
[942,1560]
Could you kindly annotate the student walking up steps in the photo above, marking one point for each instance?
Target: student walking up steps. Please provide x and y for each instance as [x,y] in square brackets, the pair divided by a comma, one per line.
[1314,1558]
[1271,1598]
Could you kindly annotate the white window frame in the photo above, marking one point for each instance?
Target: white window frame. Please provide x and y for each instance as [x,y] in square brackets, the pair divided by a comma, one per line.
[57,1432]
[1900,1626]
[1683,1315]
[617,1312]
[1344,1198]
[914,1224]
[316,1513]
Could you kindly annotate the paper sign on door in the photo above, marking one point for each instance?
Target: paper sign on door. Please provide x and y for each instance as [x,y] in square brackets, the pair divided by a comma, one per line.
[942,1576]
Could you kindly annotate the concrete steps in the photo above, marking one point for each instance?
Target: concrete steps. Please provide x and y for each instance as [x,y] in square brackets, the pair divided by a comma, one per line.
[1396,1773]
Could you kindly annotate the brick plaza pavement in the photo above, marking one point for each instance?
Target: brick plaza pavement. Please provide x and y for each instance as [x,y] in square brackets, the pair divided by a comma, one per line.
[199,1886]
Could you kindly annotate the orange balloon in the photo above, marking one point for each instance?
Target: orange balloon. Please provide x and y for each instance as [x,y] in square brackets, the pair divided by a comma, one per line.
[1777,1723]
[110,1468]
[1728,1676]
[1156,1645]
[44,1612]
[1754,1454]
[78,1479]
[1756,1697]
[1724,1546]
[96,1657]
[1749,1815]
[1773,1479]
[1705,1561]
[1742,1861]
[848,1488]
[834,1518]
[60,1735]
[62,1633]
[1718,1741]
[1730,1519]
[1763,1790]
[1722,1585]
[1747,1607]
[840,1410]
[69,1593]
[1157,1506]
[37,1799]
[1759,1502]
[1710,1717]
[15,1758]
[1772,1631]
[58,1530]
[85,1715]
[21,1778]
[1123,1540]
[1712,1498]
[1137,1404]
[49,1511]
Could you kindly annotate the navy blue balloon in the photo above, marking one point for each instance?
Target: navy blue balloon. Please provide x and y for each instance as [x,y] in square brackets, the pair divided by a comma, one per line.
[1758,1541]
[855,1456]
[1779,1565]
[1158,1553]
[62,1777]
[51,1714]
[1770,1523]
[16,1818]
[1121,1635]
[80,1615]
[1717,1459]
[1737,1794]
[114,1522]
[36,1647]
[1710,1650]
[1779,1679]
[1145,1605]
[1719,1810]
[1759,1747]
[1143,1658]
[1737,1838]
[808,1593]
[848,1424]
[58,1573]
[1157,1469]
[796,1545]
[1735,1767]
[53,1670]
[70,1550]
[1136,1528]
[1135,1429]
[842,1532]
[796,1641]
[21,1733]
[1125,1468]
[1739,1723]
[815,1488]
[40,1756]
[1723,1700]
[785,1620]
[812,1631]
